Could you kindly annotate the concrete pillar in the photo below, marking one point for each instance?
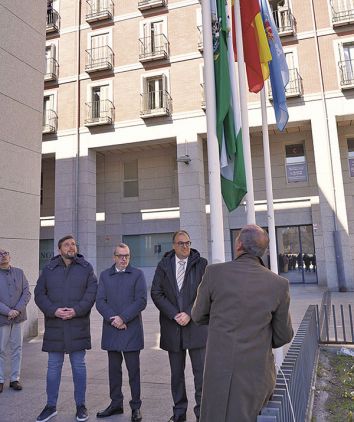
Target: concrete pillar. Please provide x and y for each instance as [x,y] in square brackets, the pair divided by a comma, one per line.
[191,190]
[332,207]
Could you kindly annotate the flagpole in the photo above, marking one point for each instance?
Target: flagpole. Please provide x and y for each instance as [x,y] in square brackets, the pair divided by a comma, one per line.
[216,211]
[278,353]
[251,213]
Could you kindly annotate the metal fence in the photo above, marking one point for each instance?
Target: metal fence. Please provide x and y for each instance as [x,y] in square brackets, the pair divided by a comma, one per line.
[290,400]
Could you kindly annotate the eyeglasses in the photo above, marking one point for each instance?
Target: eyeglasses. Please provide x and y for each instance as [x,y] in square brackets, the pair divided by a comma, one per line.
[4,253]
[122,256]
[186,244]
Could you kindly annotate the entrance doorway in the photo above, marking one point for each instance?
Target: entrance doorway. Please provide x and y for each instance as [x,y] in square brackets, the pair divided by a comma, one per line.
[296,254]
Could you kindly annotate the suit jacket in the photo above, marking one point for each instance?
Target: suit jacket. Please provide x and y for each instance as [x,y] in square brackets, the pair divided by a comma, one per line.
[122,294]
[247,309]
[170,302]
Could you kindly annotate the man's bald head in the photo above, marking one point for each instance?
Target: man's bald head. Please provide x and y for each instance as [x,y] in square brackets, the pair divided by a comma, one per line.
[253,240]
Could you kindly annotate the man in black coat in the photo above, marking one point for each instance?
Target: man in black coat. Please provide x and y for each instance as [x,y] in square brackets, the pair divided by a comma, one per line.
[121,298]
[173,291]
[65,293]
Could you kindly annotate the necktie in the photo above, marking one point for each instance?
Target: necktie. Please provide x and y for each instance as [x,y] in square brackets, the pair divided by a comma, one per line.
[180,274]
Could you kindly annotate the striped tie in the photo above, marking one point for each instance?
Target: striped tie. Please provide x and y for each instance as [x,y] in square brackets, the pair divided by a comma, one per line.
[180,274]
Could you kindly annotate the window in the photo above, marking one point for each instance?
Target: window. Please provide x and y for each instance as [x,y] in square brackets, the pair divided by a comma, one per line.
[99,55]
[52,16]
[131,183]
[283,17]
[342,12]
[148,249]
[295,161]
[100,110]
[350,144]
[49,115]
[346,64]
[156,100]
[51,71]
[153,44]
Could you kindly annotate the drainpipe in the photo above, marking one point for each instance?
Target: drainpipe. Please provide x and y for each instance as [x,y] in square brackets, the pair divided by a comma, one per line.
[336,234]
[77,158]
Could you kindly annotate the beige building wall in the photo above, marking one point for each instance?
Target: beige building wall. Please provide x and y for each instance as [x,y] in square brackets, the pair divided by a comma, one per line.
[22,39]
[94,155]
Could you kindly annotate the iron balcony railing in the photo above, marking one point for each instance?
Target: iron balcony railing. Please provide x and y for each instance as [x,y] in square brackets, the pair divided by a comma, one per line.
[200,38]
[52,21]
[99,113]
[284,21]
[149,4]
[342,12]
[346,71]
[155,47]
[50,121]
[52,68]
[294,87]
[99,58]
[156,103]
[98,10]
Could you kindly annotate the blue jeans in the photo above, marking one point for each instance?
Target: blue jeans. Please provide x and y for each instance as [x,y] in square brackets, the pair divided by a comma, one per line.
[78,368]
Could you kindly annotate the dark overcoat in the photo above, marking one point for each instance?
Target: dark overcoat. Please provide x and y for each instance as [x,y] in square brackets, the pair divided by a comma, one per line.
[164,293]
[123,294]
[61,286]
[247,309]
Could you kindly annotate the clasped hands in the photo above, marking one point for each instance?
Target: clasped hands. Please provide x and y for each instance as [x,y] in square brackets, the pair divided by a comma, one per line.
[13,314]
[65,313]
[117,322]
[182,318]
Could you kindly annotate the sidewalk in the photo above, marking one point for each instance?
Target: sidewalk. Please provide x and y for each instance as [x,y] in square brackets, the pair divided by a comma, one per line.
[24,406]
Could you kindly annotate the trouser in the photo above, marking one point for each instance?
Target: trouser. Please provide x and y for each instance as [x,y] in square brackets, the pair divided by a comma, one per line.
[78,368]
[132,362]
[178,385]
[11,335]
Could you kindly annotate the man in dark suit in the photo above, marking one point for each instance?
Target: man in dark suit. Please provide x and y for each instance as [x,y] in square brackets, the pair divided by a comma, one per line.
[247,309]
[121,297]
[173,291]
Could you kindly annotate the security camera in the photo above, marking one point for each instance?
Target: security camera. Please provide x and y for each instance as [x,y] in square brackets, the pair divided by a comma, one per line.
[186,159]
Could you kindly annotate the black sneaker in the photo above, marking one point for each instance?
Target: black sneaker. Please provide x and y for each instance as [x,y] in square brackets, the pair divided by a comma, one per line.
[47,413]
[81,413]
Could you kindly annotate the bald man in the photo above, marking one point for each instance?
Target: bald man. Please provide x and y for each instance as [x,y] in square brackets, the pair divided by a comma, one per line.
[247,309]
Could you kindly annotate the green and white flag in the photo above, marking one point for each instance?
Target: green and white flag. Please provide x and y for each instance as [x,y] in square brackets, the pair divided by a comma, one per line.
[228,121]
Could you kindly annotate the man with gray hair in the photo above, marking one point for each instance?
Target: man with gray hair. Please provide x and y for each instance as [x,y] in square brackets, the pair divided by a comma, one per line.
[14,296]
[247,309]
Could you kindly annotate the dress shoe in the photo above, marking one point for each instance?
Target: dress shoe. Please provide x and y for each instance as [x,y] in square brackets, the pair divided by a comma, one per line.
[136,415]
[1,386]
[175,418]
[109,411]
[15,385]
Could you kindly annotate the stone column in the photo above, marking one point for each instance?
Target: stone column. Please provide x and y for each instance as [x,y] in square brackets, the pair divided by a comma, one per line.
[191,191]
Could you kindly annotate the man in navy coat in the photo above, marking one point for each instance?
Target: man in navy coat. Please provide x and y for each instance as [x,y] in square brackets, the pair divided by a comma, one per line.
[121,298]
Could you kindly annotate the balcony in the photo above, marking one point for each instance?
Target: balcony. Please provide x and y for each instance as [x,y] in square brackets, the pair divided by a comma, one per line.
[154,48]
[346,72]
[150,4]
[99,10]
[98,59]
[294,87]
[203,102]
[155,104]
[52,68]
[200,38]
[285,22]
[52,21]
[50,122]
[99,113]
[342,12]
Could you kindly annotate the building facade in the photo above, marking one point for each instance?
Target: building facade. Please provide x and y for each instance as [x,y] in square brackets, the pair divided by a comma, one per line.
[124,155]
[22,38]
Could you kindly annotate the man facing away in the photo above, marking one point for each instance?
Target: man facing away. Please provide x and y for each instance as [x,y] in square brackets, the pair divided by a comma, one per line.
[121,298]
[14,296]
[247,309]
[65,293]
[173,291]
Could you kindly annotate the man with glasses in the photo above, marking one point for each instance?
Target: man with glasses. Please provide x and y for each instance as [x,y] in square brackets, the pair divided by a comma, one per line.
[65,293]
[173,291]
[14,296]
[121,298]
